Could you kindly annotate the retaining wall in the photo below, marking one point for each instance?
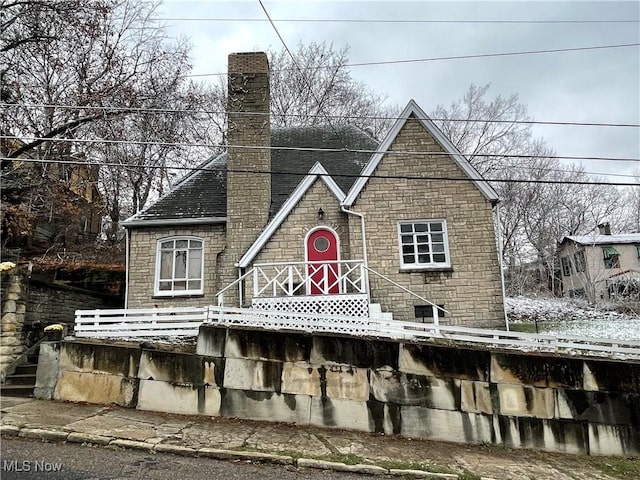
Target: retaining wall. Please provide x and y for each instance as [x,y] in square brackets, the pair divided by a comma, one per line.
[573,405]
[14,291]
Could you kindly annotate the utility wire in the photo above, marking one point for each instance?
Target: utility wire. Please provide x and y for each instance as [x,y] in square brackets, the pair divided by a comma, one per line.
[306,81]
[301,115]
[454,57]
[314,149]
[377,20]
[278,172]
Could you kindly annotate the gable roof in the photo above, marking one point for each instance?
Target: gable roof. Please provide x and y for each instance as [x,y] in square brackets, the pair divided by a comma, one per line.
[201,196]
[317,171]
[599,239]
[413,110]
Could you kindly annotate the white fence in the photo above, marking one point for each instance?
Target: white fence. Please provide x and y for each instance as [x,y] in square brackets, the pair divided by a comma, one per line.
[140,322]
[182,321]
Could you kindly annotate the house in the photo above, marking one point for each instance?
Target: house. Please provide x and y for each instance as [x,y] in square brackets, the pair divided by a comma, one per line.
[322,220]
[45,203]
[600,267]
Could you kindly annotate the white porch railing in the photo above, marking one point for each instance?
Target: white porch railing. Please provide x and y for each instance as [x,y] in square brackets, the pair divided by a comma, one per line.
[303,278]
[181,321]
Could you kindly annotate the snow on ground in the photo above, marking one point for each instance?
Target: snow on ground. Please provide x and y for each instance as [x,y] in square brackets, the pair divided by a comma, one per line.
[573,317]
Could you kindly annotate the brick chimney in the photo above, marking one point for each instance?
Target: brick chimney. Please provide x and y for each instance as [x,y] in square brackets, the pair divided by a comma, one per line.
[248,193]
[605,228]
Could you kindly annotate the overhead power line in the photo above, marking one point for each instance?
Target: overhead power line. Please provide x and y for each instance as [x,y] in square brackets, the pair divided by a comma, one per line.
[313,149]
[454,57]
[304,173]
[301,115]
[305,79]
[391,21]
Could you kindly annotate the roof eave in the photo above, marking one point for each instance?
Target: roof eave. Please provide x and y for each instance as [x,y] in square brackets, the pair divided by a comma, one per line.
[168,222]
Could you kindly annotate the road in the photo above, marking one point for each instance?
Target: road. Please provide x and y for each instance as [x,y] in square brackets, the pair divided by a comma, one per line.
[23,459]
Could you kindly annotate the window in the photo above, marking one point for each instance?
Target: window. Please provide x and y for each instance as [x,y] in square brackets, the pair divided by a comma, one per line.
[611,257]
[579,261]
[423,244]
[566,266]
[424,313]
[638,251]
[179,266]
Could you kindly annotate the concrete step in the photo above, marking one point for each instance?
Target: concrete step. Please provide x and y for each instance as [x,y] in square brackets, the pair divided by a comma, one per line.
[375,311]
[17,390]
[26,369]
[21,379]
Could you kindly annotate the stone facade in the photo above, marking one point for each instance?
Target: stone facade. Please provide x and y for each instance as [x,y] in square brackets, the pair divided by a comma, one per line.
[13,309]
[52,303]
[449,393]
[142,265]
[472,288]
[288,243]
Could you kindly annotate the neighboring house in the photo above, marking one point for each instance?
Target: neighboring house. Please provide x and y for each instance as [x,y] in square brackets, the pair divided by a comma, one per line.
[322,220]
[600,267]
[45,203]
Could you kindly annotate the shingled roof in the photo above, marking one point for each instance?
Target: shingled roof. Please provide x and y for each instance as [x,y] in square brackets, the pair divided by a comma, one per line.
[201,196]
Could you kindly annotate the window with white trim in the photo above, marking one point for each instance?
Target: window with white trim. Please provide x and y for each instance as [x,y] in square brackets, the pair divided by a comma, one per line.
[423,244]
[179,266]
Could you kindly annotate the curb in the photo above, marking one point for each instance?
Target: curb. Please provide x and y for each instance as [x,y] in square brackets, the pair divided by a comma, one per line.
[219,454]
[10,430]
[397,472]
[77,437]
[342,467]
[43,434]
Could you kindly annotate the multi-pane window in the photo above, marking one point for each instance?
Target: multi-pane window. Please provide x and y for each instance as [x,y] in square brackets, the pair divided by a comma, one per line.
[423,244]
[579,261]
[566,266]
[179,266]
[611,257]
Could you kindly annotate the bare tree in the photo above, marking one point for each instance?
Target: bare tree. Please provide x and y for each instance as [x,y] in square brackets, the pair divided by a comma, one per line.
[541,205]
[316,88]
[99,81]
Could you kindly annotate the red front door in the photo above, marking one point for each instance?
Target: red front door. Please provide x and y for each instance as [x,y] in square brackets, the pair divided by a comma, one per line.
[322,246]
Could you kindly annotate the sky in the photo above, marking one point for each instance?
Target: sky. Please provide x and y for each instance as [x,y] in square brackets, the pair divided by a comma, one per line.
[588,86]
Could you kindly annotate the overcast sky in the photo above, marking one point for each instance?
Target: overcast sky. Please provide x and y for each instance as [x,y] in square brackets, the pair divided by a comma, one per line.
[600,86]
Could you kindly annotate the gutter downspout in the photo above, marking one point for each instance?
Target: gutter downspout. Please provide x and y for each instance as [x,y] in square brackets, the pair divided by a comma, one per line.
[500,252]
[126,279]
[364,248]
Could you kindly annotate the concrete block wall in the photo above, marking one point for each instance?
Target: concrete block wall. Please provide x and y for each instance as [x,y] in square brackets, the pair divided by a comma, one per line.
[142,267]
[571,405]
[472,287]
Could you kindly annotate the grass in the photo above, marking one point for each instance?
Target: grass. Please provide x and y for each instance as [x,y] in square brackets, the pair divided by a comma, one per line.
[427,467]
[528,327]
[352,459]
[618,467]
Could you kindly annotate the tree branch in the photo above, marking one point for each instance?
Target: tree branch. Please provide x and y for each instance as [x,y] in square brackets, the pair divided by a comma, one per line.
[63,128]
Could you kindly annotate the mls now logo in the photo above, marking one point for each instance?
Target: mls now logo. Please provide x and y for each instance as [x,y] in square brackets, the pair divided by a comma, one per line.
[30,466]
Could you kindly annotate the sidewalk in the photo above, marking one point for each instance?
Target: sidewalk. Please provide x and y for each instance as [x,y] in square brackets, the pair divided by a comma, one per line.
[304,447]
